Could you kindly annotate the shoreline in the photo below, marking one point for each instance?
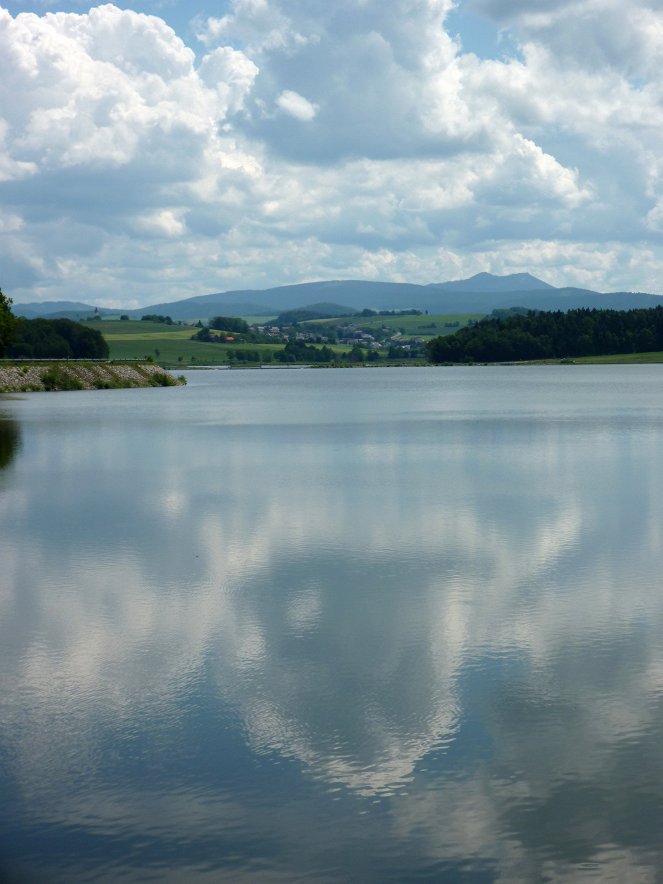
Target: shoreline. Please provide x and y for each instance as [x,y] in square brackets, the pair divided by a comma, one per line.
[578,362]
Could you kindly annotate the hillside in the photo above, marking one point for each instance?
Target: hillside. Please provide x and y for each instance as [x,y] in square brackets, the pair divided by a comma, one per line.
[488,282]
[478,294]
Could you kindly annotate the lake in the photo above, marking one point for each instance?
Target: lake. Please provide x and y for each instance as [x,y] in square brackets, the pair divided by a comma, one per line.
[382,625]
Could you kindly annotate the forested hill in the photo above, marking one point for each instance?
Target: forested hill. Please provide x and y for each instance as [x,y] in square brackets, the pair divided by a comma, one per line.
[537,335]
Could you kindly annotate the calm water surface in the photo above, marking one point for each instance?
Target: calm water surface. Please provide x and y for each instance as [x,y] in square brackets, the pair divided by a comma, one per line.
[329,626]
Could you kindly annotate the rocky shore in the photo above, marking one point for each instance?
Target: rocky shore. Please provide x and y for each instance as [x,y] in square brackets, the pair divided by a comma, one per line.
[17,377]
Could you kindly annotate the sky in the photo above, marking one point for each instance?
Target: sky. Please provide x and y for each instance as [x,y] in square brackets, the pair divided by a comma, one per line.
[153,150]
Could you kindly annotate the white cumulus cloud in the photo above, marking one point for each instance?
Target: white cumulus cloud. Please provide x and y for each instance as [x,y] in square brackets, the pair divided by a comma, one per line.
[296,105]
[146,169]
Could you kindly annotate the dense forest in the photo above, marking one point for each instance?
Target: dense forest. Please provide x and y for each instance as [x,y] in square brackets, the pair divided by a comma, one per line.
[538,335]
[56,339]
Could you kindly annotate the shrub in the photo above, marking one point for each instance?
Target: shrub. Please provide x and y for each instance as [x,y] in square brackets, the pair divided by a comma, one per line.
[56,378]
[161,379]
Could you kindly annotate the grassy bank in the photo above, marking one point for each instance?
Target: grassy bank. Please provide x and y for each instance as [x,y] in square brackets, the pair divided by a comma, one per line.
[621,359]
[614,359]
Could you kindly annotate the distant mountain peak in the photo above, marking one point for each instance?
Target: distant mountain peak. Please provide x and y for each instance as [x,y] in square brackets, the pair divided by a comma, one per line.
[489,282]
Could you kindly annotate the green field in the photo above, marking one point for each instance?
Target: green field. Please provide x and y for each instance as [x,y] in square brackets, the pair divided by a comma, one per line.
[167,344]
[621,359]
[171,345]
[259,320]
[613,359]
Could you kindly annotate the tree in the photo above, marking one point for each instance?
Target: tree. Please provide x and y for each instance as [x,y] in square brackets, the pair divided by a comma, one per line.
[356,354]
[298,351]
[7,323]
[229,324]
[57,339]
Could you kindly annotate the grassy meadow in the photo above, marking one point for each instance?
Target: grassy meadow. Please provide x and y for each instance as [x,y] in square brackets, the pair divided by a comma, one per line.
[167,344]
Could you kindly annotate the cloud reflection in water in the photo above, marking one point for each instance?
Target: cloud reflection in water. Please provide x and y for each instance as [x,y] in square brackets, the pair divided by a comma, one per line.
[456,619]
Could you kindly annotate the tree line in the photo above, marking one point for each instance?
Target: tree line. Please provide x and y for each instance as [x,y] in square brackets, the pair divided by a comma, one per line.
[552,335]
[47,338]
[153,317]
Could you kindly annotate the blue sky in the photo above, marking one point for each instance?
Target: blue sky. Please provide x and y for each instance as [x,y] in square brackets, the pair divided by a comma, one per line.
[155,150]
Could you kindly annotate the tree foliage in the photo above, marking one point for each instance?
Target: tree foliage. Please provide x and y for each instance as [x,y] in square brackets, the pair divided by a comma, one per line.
[229,324]
[298,351]
[554,335]
[57,339]
[7,323]
[155,317]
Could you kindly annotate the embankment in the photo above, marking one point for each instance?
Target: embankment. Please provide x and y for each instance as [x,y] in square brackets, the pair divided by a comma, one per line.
[25,377]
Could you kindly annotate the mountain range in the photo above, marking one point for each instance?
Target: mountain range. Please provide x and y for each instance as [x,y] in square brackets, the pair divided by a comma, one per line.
[481,293]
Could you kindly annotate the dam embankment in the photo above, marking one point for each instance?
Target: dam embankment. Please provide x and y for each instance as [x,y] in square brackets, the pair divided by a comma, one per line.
[26,377]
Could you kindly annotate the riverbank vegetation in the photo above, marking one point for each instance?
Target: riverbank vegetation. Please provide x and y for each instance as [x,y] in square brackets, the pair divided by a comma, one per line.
[7,323]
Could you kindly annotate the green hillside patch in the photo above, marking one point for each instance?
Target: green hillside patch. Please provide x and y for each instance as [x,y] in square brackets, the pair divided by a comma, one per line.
[260,320]
[165,344]
[621,359]
[422,326]
[122,329]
